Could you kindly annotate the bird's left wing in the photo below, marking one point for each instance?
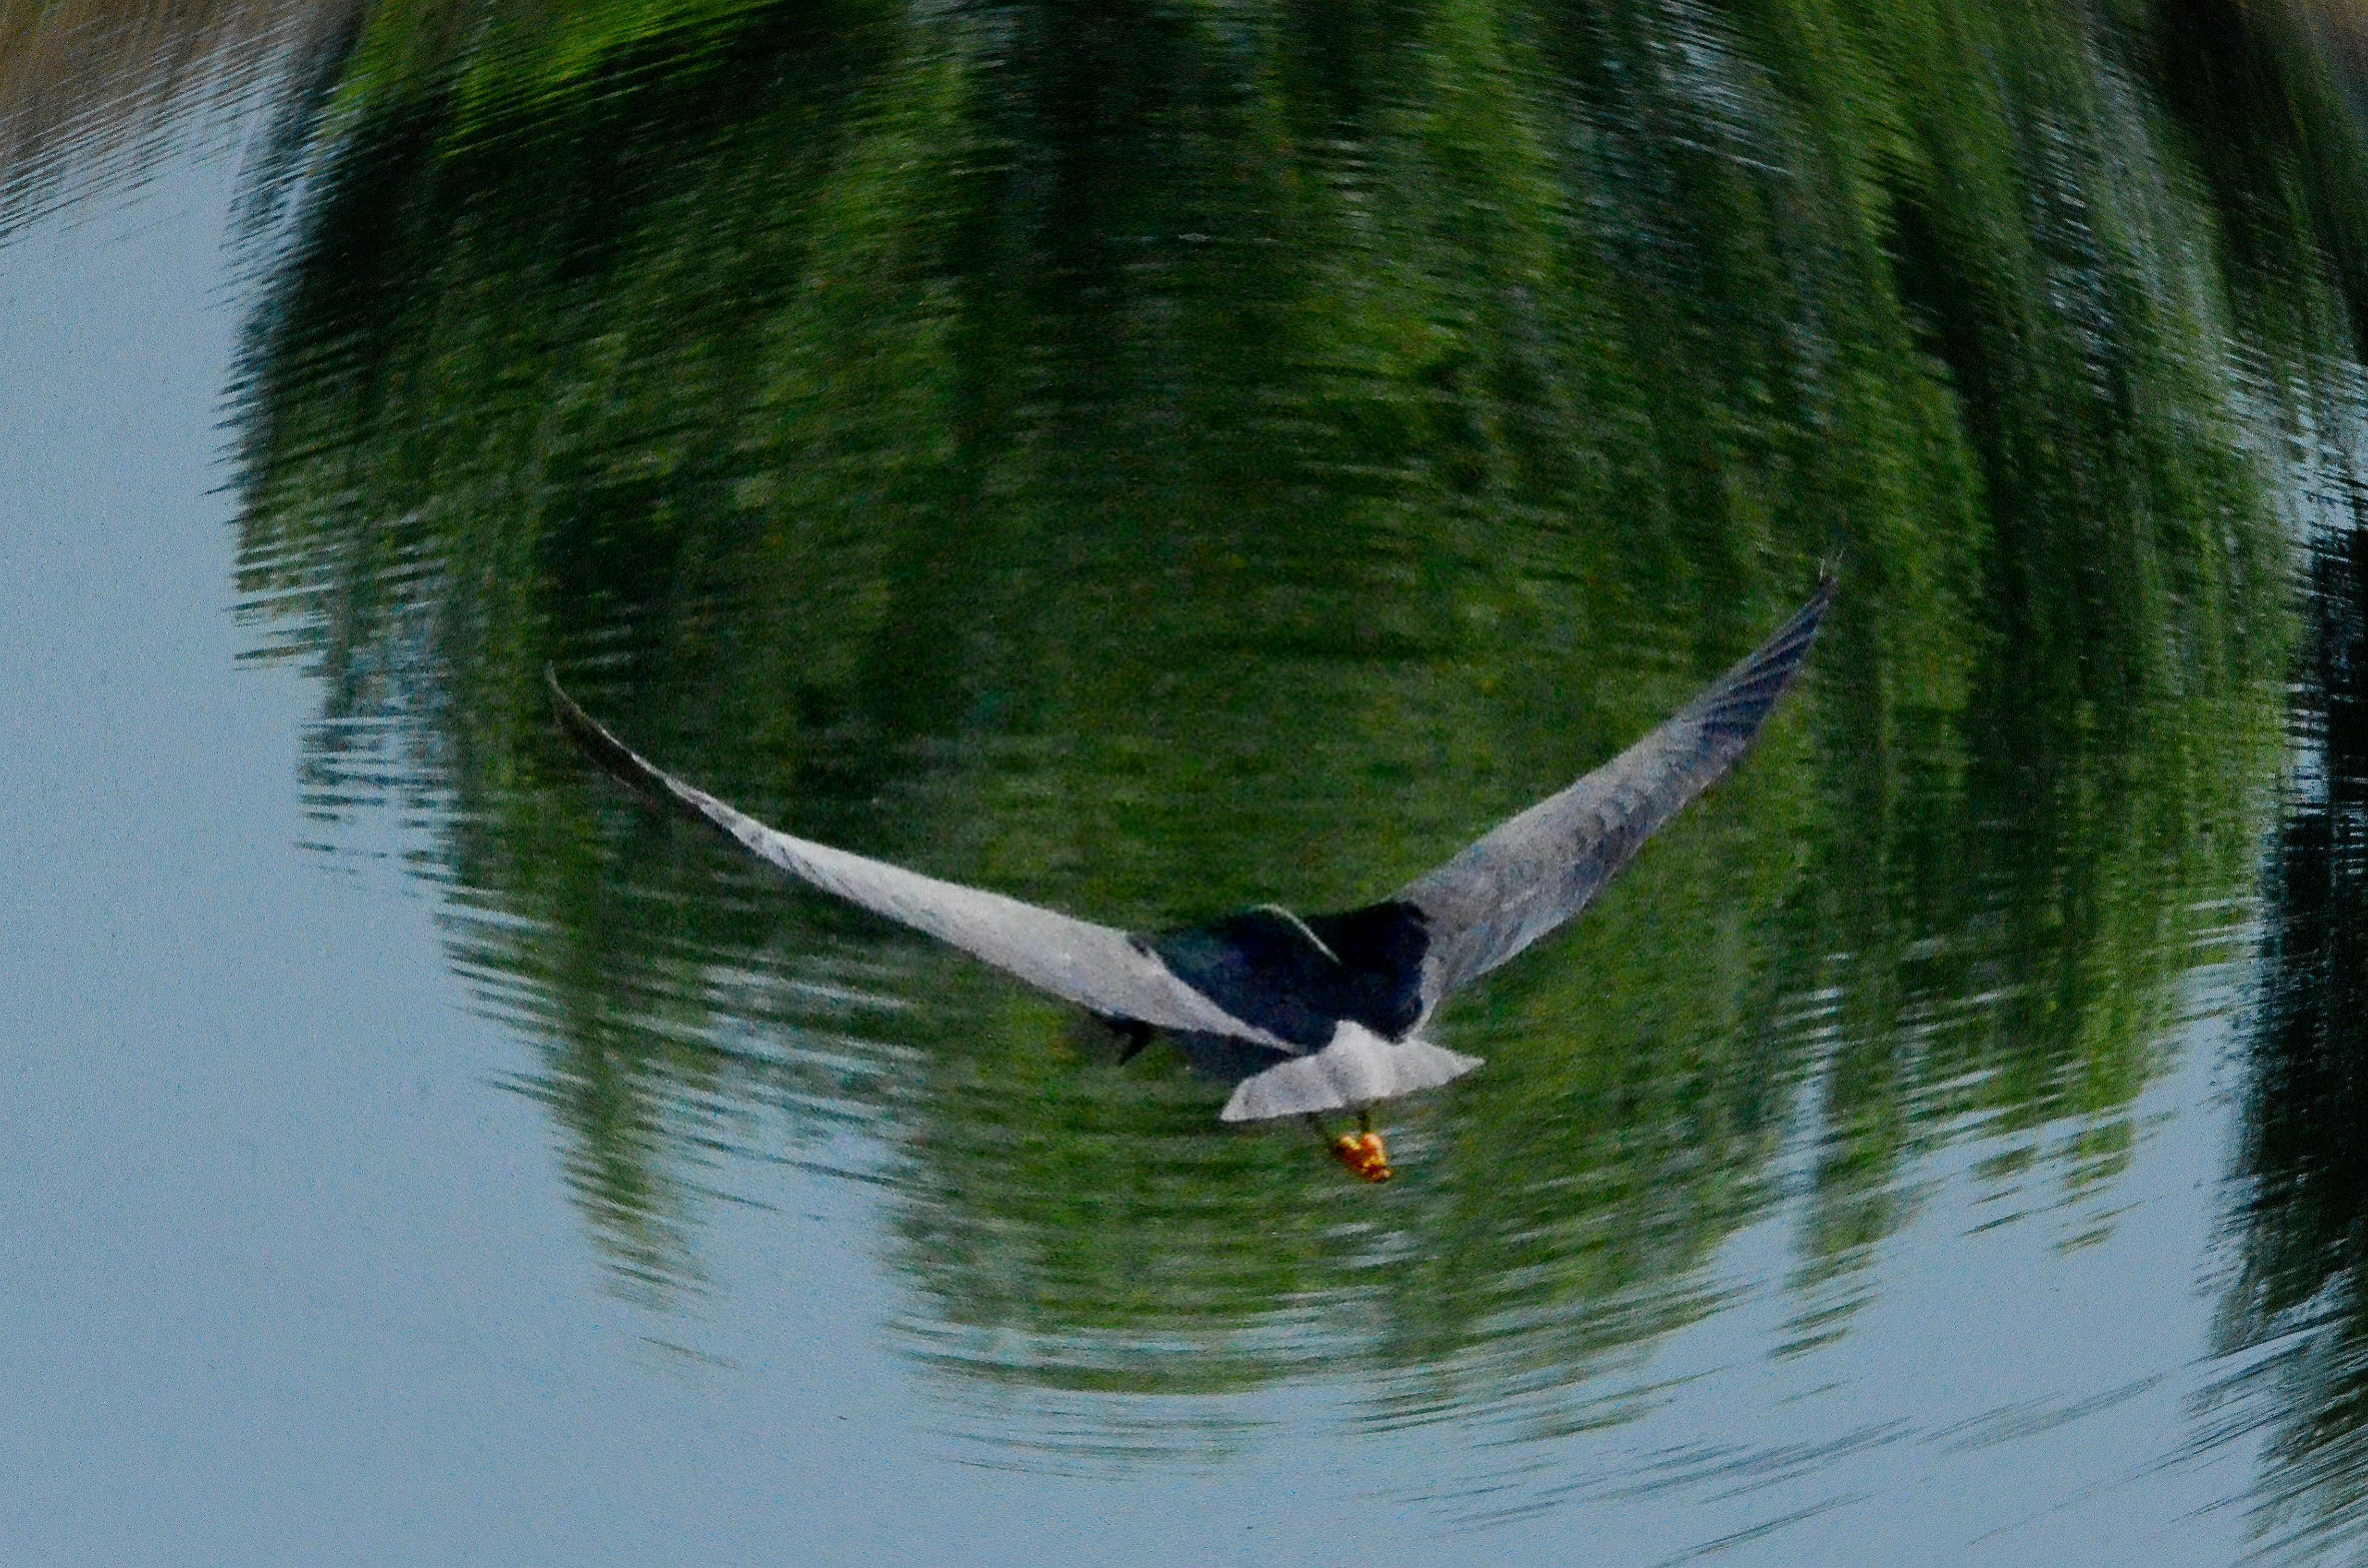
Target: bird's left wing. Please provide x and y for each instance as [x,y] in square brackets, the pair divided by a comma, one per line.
[1536,870]
[1097,967]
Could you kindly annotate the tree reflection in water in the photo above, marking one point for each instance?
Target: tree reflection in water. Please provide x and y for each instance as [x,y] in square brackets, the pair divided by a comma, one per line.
[1153,461]
[2293,1319]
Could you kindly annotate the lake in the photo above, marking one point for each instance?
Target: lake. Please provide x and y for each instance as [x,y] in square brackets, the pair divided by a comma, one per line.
[1155,460]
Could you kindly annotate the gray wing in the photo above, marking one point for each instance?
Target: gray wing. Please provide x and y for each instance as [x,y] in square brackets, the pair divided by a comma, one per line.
[1534,871]
[1095,966]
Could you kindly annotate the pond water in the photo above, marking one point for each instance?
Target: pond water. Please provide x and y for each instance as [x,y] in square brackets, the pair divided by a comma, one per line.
[1155,461]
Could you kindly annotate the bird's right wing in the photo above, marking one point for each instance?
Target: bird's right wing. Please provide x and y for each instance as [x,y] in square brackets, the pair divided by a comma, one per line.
[1095,967]
[1536,870]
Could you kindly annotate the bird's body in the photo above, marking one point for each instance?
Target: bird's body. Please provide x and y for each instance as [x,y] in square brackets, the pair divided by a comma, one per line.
[1343,992]
[1321,1013]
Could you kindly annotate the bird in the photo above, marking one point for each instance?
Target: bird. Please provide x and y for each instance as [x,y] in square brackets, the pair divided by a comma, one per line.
[1313,1014]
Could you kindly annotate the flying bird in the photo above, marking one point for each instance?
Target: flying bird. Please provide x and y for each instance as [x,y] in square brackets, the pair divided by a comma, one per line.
[1323,1012]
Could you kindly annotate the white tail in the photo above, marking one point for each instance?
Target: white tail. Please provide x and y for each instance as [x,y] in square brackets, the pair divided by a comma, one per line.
[1358,1068]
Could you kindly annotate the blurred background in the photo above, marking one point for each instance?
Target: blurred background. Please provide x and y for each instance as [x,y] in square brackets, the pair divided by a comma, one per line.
[1151,459]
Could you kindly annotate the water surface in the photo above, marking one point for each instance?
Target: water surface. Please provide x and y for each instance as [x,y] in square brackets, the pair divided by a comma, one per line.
[1153,463]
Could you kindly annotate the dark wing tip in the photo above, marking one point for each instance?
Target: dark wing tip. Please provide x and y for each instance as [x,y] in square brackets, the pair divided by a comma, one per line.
[1731,711]
[604,748]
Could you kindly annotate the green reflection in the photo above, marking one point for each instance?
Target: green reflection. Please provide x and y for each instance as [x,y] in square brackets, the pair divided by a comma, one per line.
[1156,460]
[2292,1317]
[2292,1327]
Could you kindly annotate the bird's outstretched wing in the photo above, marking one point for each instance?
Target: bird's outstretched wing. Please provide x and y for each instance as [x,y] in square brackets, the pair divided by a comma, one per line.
[1534,871]
[1095,967]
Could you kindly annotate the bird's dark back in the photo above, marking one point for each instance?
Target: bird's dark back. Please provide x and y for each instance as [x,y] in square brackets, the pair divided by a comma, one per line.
[1260,966]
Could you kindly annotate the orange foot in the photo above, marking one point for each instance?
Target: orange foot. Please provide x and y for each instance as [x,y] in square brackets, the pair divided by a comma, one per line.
[1363,1154]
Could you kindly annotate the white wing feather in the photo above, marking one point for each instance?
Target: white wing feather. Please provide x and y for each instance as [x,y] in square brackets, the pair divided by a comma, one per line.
[1097,967]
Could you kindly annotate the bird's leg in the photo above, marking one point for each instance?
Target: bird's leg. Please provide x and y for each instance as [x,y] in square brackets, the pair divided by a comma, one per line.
[1362,1151]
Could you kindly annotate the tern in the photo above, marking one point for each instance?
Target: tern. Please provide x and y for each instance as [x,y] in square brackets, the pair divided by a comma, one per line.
[1315,1014]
